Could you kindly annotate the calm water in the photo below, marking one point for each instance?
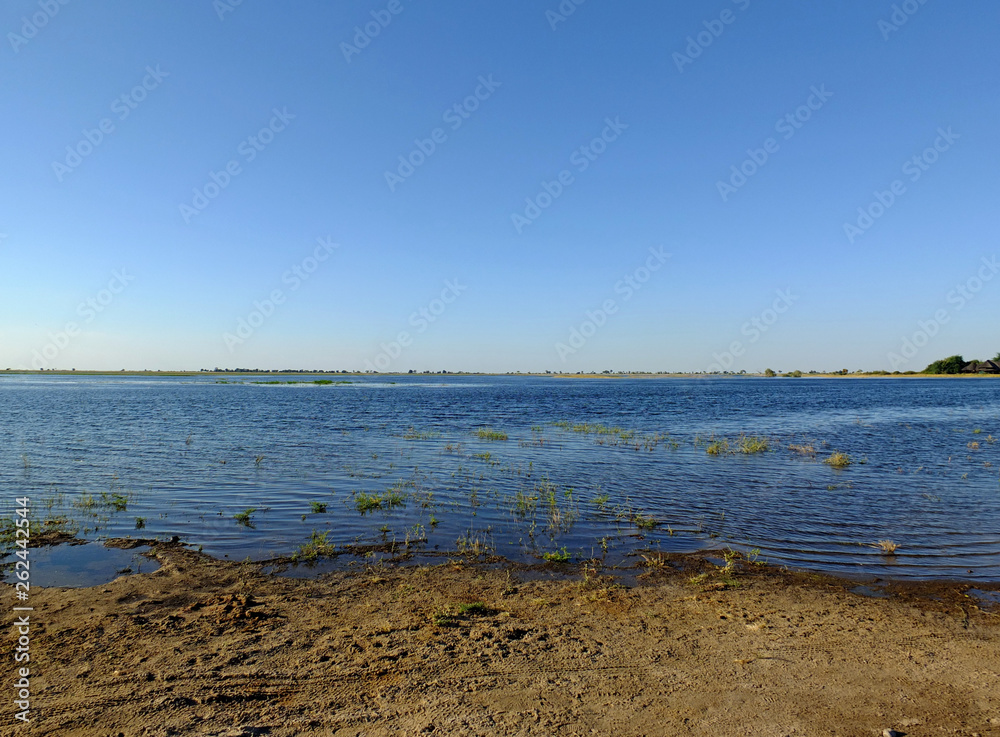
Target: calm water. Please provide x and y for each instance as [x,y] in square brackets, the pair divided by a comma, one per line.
[187,454]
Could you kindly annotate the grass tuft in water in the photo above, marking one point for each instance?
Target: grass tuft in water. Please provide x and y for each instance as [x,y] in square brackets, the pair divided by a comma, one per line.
[244,517]
[316,546]
[886,546]
[365,502]
[838,460]
[558,556]
[485,433]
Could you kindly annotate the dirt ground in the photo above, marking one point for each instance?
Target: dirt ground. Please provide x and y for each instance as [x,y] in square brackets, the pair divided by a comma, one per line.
[205,647]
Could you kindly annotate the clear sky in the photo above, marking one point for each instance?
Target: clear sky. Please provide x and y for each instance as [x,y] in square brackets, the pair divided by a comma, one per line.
[498,186]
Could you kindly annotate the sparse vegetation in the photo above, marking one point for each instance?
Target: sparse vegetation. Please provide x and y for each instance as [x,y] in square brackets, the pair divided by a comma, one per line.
[558,556]
[644,522]
[245,517]
[316,546]
[886,546]
[366,502]
[838,460]
[485,433]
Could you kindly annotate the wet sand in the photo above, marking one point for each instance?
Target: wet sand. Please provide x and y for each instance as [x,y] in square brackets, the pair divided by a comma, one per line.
[206,647]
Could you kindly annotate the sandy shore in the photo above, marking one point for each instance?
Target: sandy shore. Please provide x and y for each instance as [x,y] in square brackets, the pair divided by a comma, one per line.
[204,647]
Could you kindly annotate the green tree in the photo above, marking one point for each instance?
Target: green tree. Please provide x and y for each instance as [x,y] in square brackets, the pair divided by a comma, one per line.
[949,365]
[769,373]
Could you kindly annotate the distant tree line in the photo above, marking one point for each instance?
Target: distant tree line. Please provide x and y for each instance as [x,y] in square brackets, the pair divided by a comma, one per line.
[952,365]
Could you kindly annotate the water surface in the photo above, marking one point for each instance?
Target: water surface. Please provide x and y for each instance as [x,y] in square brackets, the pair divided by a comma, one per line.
[163,456]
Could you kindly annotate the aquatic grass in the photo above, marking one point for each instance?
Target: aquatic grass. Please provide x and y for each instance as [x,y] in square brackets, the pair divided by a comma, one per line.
[365,502]
[655,562]
[717,447]
[838,460]
[745,444]
[317,545]
[803,449]
[140,522]
[245,517]
[86,500]
[317,507]
[644,522]
[886,546]
[524,504]
[474,544]
[485,433]
[558,556]
[750,444]
[412,434]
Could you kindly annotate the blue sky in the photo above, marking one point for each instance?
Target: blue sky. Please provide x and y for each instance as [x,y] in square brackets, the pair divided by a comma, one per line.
[113,256]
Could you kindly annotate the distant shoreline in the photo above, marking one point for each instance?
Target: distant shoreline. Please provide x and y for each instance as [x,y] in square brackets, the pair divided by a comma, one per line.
[679,375]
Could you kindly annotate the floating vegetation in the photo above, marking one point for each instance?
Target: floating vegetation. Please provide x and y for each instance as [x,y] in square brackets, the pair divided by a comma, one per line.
[485,433]
[838,460]
[140,522]
[317,507]
[412,434]
[803,449]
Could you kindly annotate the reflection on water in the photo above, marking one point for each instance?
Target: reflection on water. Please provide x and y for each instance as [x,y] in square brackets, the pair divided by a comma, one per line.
[592,467]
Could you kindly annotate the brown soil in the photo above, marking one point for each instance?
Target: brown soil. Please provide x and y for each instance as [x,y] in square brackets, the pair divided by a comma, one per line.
[205,647]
